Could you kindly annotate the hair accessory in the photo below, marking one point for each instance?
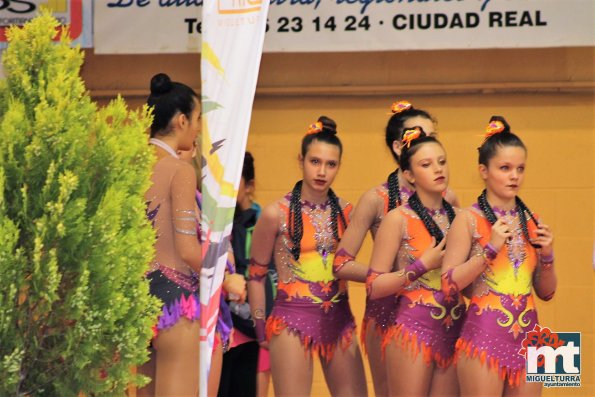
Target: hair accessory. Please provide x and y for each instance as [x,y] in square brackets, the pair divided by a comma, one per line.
[495,127]
[314,128]
[400,106]
[410,135]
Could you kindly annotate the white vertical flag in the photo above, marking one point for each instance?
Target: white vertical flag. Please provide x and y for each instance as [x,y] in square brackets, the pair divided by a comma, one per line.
[232,39]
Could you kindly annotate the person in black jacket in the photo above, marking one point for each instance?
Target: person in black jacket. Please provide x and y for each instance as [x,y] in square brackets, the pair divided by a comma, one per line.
[242,363]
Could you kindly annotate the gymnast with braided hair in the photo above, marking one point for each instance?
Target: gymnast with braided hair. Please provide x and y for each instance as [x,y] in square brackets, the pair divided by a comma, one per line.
[406,261]
[311,313]
[498,251]
[369,212]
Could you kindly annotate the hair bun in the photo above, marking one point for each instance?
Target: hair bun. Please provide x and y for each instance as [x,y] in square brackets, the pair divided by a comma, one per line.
[411,134]
[502,120]
[161,84]
[400,106]
[328,124]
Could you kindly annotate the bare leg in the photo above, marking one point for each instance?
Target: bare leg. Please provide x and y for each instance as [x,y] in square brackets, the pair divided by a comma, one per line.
[148,369]
[263,373]
[262,383]
[408,376]
[178,359]
[376,360]
[344,374]
[477,380]
[291,366]
[524,390]
[444,382]
[215,372]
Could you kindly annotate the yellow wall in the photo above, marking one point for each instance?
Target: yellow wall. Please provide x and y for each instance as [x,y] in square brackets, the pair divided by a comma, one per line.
[547,96]
[557,129]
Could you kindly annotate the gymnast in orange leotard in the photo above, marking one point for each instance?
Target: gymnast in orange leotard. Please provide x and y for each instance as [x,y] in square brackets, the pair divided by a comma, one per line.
[406,261]
[500,252]
[371,208]
[311,314]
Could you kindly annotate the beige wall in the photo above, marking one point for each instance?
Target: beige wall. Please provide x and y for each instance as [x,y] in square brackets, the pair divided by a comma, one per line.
[547,95]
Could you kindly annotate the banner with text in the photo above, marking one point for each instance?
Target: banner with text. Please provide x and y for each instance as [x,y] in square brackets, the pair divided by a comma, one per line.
[174,26]
[75,13]
[231,49]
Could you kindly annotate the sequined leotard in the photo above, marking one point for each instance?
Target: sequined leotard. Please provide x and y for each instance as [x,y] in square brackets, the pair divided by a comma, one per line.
[502,309]
[311,303]
[174,283]
[426,320]
[381,311]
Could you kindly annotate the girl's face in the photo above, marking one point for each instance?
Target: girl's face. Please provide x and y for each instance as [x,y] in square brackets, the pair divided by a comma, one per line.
[191,127]
[418,121]
[321,165]
[428,168]
[188,155]
[505,172]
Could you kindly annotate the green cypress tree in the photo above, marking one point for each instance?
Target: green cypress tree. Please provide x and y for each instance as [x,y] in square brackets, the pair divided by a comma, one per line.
[75,312]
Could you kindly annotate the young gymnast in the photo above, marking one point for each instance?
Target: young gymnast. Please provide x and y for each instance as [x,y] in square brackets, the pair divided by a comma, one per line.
[371,208]
[406,261]
[172,208]
[499,251]
[311,313]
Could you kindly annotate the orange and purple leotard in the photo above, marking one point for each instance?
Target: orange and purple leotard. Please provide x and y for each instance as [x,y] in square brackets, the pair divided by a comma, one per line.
[503,311]
[311,303]
[426,320]
[382,311]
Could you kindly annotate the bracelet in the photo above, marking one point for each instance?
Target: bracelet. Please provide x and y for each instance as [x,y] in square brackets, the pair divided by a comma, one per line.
[257,271]
[341,258]
[490,252]
[414,271]
[372,275]
[547,262]
[547,259]
[258,314]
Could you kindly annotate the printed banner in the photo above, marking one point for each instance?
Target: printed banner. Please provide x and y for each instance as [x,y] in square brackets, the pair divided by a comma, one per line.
[76,13]
[175,26]
[231,49]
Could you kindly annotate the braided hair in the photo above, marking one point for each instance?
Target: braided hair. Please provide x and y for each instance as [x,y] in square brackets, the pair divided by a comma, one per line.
[336,213]
[296,226]
[327,134]
[520,207]
[488,149]
[394,191]
[431,226]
